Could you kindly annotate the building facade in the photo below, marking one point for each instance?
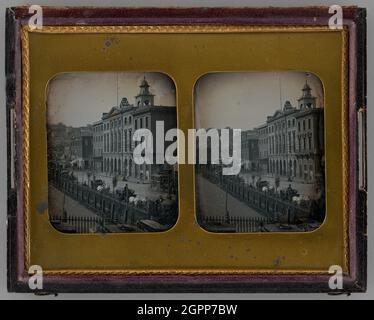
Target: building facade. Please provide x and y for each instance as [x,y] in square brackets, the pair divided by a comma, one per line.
[128,144]
[291,142]
[81,147]
[250,150]
[281,142]
[112,141]
[118,127]
[58,142]
[97,145]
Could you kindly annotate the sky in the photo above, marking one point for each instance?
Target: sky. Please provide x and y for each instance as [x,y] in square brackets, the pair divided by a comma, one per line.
[244,100]
[237,100]
[78,99]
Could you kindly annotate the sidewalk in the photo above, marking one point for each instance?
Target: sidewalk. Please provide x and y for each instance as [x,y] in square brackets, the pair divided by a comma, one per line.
[211,201]
[303,188]
[59,201]
[141,189]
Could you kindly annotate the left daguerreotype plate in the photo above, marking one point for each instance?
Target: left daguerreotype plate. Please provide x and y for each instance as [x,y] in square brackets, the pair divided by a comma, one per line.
[94,183]
[186,150]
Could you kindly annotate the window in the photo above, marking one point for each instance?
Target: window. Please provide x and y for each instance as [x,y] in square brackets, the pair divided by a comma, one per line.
[130,138]
[310,143]
[294,141]
[124,141]
[309,124]
[119,141]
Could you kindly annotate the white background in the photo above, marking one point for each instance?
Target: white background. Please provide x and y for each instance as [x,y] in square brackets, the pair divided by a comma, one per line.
[186,3]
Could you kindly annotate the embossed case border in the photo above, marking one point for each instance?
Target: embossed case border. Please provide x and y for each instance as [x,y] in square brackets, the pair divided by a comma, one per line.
[354,21]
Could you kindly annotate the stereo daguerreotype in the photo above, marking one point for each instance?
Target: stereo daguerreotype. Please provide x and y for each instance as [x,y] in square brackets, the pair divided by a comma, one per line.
[94,183]
[278,184]
[186,150]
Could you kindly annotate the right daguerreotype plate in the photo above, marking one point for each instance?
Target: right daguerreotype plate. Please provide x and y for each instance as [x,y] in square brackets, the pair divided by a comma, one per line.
[172,150]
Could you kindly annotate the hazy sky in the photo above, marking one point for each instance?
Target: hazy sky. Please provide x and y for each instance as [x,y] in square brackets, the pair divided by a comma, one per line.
[244,100]
[237,100]
[77,99]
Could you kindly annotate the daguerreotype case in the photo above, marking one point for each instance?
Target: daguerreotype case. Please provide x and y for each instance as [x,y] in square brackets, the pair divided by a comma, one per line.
[182,150]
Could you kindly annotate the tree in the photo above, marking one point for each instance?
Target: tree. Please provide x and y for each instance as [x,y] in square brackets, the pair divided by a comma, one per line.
[277,182]
[114,182]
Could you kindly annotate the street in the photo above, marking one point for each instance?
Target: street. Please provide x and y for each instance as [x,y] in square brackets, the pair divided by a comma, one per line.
[303,188]
[212,201]
[72,207]
[141,189]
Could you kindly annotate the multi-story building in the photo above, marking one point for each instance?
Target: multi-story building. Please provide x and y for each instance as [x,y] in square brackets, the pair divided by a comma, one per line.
[118,127]
[97,144]
[281,141]
[128,144]
[291,141]
[310,139]
[263,149]
[81,147]
[58,142]
[250,150]
[112,141]
[145,117]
